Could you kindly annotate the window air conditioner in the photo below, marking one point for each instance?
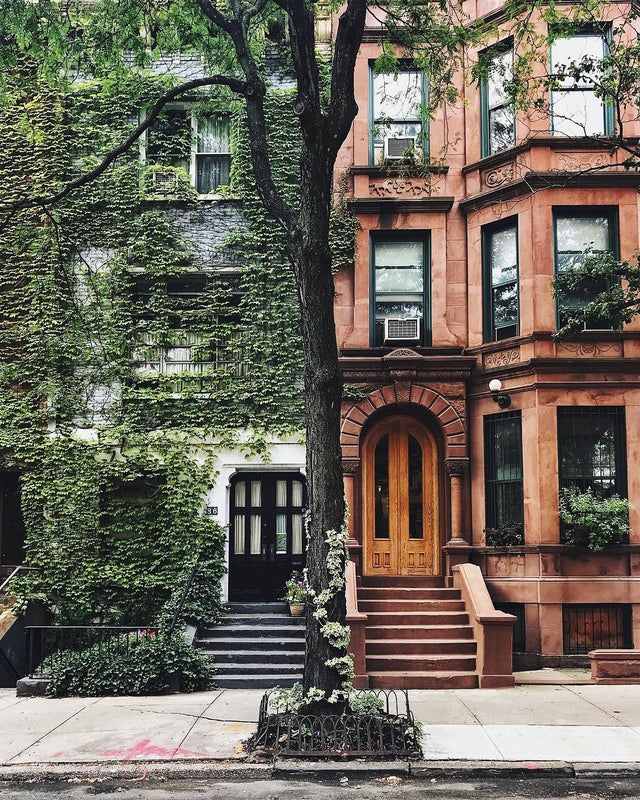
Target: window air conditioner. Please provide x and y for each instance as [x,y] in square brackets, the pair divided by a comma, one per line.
[396,146]
[163,182]
[401,329]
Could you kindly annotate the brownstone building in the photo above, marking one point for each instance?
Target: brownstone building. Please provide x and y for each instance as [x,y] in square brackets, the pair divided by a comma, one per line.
[451,289]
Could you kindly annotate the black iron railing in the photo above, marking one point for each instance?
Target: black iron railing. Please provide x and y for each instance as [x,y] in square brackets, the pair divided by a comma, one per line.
[46,643]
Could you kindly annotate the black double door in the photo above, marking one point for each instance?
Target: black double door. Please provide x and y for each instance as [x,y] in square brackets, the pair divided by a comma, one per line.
[266,534]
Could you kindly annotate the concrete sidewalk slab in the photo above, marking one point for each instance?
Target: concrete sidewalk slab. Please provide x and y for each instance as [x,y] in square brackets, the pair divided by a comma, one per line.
[565,742]
[533,705]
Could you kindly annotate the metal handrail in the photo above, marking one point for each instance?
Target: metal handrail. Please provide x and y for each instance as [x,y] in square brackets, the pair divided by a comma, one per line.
[21,568]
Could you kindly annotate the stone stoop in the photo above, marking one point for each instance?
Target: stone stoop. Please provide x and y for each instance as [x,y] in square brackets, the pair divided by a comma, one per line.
[417,634]
[255,646]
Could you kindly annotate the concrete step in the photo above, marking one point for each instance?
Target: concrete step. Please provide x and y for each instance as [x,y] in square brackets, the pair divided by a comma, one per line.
[424,663]
[378,647]
[425,632]
[256,609]
[423,680]
[417,605]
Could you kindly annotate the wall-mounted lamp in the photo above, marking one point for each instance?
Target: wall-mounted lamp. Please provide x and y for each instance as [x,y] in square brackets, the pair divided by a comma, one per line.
[497,395]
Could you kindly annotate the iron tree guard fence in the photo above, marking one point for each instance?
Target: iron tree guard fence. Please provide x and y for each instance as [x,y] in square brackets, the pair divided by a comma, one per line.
[386,728]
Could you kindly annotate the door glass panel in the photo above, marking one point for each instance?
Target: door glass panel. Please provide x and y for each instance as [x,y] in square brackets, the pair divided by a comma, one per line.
[296,525]
[414,482]
[256,525]
[256,493]
[281,494]
[241,490]
[296,493]
[382,489]
[281,533]
[238,534]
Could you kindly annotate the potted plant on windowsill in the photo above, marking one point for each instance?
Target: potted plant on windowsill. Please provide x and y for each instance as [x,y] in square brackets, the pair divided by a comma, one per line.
[592,520]
[296,590]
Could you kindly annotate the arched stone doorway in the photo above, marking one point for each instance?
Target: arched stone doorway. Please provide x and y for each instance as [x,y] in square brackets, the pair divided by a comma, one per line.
[400,498]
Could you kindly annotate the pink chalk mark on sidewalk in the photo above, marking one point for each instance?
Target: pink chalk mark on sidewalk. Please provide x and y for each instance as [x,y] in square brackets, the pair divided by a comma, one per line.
[145,748]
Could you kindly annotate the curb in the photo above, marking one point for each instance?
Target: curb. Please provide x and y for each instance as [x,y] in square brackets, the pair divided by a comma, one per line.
[184,770]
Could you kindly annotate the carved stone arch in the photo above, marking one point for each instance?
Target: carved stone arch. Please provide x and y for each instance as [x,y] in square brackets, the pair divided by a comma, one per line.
[450,417]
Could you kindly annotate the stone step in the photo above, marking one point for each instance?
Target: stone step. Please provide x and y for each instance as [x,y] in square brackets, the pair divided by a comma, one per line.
[279,657]
[423,680]
[252,631]
[259,644]
[257,609]
[425,632]
[256,669]
[424,663]
[406,593]
[400,581]
[265,681]
[418,605]
[417,618]
[260,619]
[420,646]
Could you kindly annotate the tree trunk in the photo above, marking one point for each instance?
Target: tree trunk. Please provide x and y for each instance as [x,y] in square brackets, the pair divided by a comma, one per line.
[311,258]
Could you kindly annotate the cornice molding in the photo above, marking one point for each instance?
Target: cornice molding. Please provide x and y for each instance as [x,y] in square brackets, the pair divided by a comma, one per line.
[380,205]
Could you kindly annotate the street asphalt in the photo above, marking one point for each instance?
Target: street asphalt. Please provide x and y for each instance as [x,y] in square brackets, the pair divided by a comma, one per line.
[539,726]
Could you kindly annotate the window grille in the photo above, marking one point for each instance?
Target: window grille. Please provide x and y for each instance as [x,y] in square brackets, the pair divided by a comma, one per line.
[592,627]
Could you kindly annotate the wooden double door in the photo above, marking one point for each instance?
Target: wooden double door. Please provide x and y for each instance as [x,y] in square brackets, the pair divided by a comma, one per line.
[400,499]
[266,534]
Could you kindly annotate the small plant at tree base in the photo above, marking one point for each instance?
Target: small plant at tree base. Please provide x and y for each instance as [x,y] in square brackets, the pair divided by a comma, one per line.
[296,589]
[605,520]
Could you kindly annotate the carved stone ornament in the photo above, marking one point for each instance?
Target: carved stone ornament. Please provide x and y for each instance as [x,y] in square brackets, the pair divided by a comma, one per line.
[496,177]
[448,390]
[578,162]
[401,352]
[351,467]
[403,391]
[502,359]
[590,349]
[400,187]
[456,466]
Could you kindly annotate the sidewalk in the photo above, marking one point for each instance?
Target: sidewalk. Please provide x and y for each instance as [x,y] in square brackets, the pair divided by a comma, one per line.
[574,726]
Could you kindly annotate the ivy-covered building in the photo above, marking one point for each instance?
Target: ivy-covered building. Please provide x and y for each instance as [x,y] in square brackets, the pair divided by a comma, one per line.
[151,412]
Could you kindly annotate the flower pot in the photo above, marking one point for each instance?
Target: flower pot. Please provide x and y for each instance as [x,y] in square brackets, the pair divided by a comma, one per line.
[296,609]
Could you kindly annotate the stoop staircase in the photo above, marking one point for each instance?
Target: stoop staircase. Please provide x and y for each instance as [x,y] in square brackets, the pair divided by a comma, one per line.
[417,634]
[255,646]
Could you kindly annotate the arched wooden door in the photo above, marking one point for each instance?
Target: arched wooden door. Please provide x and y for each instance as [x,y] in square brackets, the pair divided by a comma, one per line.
[400,499]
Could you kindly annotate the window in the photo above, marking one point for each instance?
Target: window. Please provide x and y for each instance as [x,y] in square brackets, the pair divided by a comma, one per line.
[199,146]
[578,234]
[201,334]
[591,449]
[498,114]
[500,263]
[503,479]
[576,66]
[592,627]
[397,130]
[12,530]
[400,309]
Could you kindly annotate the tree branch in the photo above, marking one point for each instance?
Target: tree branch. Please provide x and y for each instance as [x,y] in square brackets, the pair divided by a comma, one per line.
[44,200]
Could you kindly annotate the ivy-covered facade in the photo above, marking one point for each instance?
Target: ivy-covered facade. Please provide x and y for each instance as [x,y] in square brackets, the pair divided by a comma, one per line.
[149,352]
